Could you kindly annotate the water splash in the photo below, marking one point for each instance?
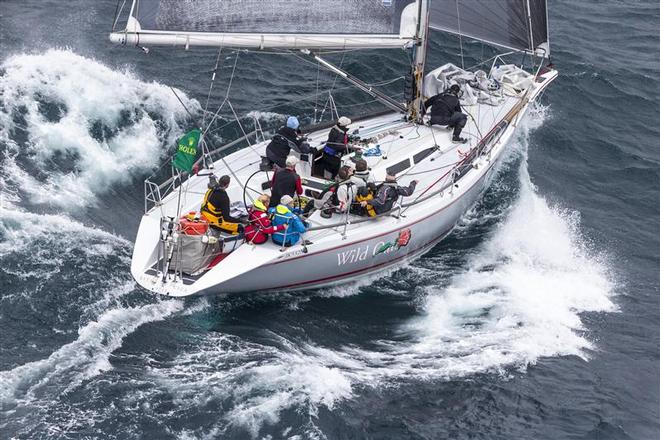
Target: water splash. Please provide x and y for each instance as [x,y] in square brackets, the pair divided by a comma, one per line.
[73,127]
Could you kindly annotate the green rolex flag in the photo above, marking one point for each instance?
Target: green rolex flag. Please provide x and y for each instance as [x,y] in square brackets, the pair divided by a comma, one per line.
[186,151]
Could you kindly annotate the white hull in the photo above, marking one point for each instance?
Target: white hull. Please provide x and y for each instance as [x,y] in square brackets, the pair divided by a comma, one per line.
[345,253]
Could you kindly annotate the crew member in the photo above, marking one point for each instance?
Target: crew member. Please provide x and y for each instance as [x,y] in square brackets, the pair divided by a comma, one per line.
[287,138]
[286,181]
[347,188]
[362,171]
[335,147]
[215,207]
[387,194]
[446,110]
[364,194]
[260,226]
[283,215]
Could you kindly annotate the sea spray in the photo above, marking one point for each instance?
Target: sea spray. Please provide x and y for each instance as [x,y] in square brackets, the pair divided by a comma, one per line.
[72,126]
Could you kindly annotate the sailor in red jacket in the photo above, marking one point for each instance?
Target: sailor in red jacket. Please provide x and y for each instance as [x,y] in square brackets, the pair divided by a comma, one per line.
[259,229]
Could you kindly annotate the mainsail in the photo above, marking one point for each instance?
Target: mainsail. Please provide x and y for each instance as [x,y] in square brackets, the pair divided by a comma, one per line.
[308,24]
[520,25]
[513,24]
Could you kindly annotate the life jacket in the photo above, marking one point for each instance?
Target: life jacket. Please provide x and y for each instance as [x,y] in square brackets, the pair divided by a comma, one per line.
[364,194]
[210,212]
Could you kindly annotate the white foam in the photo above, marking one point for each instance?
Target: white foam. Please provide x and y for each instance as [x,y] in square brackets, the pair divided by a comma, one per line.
[268,117]
[83,358]
[144,119]
[20,229]
[261,381]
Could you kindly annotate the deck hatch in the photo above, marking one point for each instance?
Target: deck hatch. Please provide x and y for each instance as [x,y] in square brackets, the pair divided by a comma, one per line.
[398,167]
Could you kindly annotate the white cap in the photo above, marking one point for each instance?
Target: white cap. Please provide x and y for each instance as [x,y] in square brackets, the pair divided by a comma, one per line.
[343,121]
[291,161]
[286,199]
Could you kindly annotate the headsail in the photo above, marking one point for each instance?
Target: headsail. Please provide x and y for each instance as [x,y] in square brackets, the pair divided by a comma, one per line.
[305,24]
[514,24]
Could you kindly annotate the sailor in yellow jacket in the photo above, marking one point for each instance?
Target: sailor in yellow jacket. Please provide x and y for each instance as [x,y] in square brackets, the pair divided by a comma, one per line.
[215,207]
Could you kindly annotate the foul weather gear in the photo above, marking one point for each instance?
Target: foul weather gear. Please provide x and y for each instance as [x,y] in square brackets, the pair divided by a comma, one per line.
[285,181]
[260,226]
[346,192]
[215,209]
[280,146]
[283,215]
[335,147]
[364,194]
[446,110]
[388,194]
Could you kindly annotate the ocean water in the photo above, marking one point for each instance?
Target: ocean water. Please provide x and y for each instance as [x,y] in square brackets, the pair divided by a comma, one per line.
[538,317]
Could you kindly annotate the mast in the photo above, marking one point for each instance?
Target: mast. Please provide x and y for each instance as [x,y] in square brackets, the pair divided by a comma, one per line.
[419,60]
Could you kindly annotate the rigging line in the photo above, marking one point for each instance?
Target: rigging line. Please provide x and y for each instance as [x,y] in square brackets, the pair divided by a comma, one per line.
[289,52]
[332,87]
[181,102]
[238,121]
[460,38]
[231,80]
[316,95]
[308,98]
[316,101]
[208,96]
[118,12]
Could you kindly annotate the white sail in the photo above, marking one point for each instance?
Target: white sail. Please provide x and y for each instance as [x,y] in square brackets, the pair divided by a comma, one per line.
[301,24]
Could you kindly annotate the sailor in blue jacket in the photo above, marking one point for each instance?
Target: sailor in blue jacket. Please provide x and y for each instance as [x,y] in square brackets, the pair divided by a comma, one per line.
[283,214]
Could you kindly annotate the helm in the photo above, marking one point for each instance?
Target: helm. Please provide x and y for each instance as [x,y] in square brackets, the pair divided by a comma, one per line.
[292,122]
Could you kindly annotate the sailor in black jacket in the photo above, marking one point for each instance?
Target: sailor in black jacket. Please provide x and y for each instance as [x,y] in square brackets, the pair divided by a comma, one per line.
[216,207]
[446,110]
[284,140]
[335,147]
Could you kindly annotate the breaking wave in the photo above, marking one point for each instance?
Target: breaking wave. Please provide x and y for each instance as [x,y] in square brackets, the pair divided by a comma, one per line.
[73,127]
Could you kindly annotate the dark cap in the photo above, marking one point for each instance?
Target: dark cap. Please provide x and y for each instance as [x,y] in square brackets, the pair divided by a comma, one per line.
[455,88]
[224,181]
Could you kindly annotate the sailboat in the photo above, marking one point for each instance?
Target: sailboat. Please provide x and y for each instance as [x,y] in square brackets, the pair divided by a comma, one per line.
[169,259]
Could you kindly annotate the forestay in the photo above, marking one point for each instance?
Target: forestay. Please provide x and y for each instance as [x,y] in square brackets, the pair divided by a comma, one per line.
[272,23]
[514,24]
